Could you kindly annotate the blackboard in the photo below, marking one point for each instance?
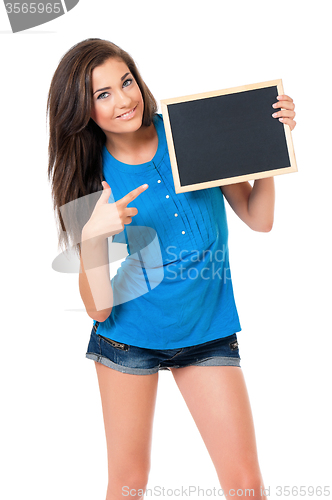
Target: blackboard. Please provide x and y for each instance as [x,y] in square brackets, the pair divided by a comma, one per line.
[227,136]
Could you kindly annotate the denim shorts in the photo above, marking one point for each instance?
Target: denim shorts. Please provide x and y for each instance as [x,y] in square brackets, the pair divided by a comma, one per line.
[142,361]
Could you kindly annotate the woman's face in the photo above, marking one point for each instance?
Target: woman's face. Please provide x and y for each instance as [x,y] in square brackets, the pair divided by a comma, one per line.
[117,102]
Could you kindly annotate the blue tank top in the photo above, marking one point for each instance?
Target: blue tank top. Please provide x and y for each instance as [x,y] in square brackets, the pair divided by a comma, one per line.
[174,288]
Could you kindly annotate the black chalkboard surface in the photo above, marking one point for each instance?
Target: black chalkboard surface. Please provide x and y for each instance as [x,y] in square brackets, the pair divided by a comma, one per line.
[227,136]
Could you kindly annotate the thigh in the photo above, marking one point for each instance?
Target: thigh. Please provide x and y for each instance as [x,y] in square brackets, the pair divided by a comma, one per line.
[128,403]
[218,400]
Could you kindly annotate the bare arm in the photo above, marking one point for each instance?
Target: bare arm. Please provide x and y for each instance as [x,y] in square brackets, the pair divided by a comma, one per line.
[94,279]
[254,205]
[106,220]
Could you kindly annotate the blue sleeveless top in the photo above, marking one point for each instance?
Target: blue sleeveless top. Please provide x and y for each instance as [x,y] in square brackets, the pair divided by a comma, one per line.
[174,288]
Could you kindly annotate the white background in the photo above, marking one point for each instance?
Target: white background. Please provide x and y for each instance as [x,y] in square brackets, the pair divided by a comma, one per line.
[52,435]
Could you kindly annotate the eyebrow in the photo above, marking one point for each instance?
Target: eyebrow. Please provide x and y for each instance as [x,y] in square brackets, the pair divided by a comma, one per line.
[107,88]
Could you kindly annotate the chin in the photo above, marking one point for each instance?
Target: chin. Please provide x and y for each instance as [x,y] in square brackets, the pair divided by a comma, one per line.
[130,125]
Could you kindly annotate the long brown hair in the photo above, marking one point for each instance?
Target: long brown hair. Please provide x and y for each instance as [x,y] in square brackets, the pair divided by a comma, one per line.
[76,141]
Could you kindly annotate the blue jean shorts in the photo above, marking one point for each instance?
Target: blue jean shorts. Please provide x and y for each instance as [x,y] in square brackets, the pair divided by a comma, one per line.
[142,361]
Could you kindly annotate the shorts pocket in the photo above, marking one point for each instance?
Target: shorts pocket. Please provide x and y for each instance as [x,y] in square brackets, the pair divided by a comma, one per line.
[115,344]
[234,345]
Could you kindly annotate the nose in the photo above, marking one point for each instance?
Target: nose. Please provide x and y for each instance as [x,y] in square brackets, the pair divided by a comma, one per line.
[122,100]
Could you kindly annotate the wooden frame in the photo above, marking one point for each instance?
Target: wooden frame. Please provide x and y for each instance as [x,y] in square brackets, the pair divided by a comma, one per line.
[166,104]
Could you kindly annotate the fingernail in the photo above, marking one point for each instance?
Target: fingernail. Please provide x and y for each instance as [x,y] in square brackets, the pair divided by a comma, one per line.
[278,96]
[274,115]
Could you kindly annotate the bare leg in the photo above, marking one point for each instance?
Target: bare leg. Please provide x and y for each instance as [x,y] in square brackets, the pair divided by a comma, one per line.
[128,403]
[218,400]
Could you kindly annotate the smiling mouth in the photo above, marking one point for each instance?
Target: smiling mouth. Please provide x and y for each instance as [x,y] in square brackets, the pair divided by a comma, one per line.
[128,113]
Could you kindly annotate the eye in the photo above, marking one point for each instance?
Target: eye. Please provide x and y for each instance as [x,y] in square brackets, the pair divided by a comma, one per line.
[102,94]
[127,82]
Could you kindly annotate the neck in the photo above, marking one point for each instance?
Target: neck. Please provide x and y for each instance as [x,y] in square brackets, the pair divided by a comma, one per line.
[134,147]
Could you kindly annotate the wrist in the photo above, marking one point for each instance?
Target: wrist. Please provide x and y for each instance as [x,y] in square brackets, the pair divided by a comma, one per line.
[94,250]
[89,235]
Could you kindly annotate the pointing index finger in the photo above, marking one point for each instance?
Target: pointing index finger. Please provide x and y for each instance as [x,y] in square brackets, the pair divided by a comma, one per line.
[133,194]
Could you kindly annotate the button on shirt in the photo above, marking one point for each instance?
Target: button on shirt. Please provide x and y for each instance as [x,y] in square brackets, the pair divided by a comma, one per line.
[174,288]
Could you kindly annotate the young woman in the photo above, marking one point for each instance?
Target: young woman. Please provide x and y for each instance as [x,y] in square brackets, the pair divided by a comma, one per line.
[170,305]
